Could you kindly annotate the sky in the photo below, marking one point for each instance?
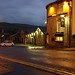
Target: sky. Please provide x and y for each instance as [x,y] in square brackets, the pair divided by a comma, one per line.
[31,12]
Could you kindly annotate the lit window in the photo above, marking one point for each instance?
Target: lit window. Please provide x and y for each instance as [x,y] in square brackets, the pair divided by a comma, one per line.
[59,39]
[41,33]
[51,10]
[65,7]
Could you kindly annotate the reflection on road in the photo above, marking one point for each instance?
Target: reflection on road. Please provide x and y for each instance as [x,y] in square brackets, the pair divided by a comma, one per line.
[52,58]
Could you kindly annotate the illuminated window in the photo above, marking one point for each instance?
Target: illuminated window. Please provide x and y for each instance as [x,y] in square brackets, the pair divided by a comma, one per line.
[65,7]
[59,39]
[51,10]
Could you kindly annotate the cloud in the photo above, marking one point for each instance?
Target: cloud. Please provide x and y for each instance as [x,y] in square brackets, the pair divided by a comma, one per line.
[24,11]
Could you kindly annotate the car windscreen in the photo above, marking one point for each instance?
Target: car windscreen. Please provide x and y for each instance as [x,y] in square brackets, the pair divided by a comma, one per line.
[9,42]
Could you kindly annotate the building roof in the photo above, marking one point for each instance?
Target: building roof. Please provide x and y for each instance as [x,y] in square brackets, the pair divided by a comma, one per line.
[4,33]
[58,1]
[33,29]
[50,4]
[15,35]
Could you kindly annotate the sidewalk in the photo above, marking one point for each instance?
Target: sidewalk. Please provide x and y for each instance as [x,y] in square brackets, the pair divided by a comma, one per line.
[43,47]
[29,46]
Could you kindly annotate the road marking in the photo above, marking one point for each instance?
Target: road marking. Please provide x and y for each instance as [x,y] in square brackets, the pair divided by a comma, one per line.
[48,69]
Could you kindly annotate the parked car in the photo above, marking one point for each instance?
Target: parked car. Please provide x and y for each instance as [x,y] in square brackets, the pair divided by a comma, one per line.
[7,43]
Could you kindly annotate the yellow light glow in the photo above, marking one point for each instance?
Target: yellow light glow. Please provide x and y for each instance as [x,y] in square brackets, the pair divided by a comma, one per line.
[59,39]
[45,22]
[65,4]
[37,32]
[62,15]
[65,7]
[26,35]
[51,10]
[54,15]
[41,33]
[32,34]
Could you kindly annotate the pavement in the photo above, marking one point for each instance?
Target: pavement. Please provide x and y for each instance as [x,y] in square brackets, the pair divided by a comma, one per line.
[43,47]
[8,67]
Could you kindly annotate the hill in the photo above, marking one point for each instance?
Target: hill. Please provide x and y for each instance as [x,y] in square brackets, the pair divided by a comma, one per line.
[13,27]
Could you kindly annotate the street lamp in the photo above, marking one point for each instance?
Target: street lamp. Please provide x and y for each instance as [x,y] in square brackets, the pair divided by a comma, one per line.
[45,22]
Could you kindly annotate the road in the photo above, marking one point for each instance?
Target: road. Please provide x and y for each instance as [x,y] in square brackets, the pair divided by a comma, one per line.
[60,60]
[11,68]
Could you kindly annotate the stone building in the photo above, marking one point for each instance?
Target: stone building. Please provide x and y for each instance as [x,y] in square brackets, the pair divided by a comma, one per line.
[19,37]
[59,24]
[36,38]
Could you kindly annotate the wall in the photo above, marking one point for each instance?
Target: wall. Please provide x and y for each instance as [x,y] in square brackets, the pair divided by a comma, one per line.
[73,17]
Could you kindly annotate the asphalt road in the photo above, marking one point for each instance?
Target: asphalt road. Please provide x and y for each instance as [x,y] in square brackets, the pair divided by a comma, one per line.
[19,69]
[61,60]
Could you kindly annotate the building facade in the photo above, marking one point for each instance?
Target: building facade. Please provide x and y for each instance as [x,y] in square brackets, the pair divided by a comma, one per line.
[36,38]
[19,37]
[59,23]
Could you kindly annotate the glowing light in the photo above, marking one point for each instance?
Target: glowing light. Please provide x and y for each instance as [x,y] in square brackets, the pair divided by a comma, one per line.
[31,37]
[54,15]
[45,22]
[51,10]
[65,4]
[26,35]
[37,32]
[41,33]
[36,47]
[62,15]
[32,33]
[65,7]
[59,39]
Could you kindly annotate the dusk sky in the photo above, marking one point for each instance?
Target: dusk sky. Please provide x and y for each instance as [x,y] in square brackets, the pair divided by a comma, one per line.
[24,11]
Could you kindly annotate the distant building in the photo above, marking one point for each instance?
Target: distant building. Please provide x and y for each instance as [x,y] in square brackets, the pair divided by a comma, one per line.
[19,37]
[37,37]
[60,25]
[4,36]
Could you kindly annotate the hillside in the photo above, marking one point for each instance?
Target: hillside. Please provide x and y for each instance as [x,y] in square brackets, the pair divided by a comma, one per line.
[13,27]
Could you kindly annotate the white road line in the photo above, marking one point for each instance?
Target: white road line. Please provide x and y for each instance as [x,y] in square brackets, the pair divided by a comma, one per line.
[38,66]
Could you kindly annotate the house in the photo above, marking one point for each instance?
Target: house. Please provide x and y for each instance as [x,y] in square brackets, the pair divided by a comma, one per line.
[37,37]
[60,25]
[4,36]
[19,37]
